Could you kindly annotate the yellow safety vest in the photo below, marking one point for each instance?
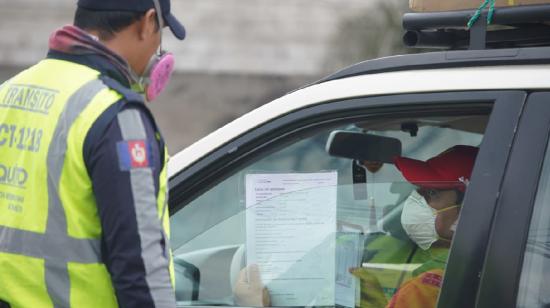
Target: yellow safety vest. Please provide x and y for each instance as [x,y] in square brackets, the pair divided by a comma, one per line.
[391,264]
[50,232]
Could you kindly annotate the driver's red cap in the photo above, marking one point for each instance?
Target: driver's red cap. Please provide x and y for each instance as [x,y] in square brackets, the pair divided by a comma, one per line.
[449,170]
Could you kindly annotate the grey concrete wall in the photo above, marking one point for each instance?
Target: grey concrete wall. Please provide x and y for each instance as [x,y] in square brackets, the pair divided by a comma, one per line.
[260,36]
[195,104]
[232,36]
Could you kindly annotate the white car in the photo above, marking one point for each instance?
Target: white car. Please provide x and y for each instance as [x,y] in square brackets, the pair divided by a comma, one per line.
[282,188]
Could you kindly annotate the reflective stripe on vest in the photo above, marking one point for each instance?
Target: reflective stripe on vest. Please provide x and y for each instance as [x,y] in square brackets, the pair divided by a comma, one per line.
[148,222]
[55,246]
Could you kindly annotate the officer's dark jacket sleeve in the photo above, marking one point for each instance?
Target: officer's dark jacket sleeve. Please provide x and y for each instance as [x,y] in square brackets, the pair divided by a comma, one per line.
[133,246]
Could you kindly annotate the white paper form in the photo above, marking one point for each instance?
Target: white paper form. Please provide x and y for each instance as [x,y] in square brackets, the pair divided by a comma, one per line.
[349,252]
[291,225]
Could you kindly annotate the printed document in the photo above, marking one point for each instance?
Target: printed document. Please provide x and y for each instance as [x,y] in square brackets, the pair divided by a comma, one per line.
[291,227]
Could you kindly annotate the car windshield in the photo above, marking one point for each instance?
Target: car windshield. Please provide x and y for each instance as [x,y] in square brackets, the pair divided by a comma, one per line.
[314,222]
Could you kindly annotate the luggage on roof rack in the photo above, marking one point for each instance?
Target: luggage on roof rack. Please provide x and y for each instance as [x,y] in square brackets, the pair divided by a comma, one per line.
[516,26]
[455,5]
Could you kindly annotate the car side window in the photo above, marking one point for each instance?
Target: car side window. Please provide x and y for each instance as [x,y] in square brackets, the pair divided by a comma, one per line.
[304,226]
[534,287]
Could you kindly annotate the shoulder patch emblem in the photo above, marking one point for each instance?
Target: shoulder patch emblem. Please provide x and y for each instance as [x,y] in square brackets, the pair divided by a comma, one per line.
[133,154]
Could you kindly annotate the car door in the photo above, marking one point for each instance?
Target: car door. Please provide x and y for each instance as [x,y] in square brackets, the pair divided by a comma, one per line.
[516,269]
[222,203]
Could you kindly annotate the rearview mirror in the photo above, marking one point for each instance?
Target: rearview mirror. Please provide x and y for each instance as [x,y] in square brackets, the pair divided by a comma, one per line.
[363,147]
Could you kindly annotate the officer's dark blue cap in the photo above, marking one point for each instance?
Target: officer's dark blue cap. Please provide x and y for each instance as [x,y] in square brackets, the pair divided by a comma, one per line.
[137,6]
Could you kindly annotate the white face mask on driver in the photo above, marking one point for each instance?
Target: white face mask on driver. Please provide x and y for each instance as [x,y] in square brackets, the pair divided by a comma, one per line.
[418,220]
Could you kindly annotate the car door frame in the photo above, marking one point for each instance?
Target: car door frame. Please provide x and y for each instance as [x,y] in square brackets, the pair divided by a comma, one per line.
[505,108]
[468,250]
[506,248]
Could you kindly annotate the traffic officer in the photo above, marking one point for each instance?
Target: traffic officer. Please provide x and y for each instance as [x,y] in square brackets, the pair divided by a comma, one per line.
[83,188]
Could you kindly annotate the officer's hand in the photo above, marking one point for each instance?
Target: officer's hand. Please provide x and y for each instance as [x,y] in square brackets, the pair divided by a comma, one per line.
[249,290]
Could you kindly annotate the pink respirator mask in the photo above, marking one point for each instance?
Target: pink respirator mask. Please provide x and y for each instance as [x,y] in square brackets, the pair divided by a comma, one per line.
[159,70]
[157,75]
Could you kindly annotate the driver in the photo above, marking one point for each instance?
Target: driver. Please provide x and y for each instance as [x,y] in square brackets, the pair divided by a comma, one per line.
[430,215]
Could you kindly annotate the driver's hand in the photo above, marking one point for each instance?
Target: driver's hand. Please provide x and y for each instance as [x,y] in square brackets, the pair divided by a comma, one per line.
[372,166]
[372,295]
[249,290]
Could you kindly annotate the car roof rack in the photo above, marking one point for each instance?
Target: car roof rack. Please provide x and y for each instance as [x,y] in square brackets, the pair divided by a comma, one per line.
[518,26]
[444,59]
[514,48]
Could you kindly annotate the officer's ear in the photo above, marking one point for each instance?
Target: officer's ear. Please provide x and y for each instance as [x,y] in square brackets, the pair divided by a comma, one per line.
[147,25]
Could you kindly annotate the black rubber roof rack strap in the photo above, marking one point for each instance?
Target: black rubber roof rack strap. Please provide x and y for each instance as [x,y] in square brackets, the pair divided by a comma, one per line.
[519,26]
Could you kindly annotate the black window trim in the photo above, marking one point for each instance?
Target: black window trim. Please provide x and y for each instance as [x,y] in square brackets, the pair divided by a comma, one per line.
[465,263]
[504,262]
[218,165]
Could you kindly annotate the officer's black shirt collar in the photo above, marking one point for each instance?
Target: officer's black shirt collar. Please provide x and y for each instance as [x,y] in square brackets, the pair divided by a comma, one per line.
[94,61]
